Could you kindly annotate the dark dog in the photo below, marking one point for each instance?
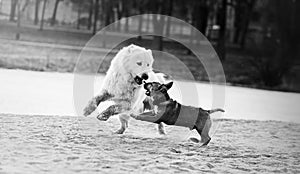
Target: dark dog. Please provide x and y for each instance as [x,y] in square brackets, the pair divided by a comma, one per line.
[168,111]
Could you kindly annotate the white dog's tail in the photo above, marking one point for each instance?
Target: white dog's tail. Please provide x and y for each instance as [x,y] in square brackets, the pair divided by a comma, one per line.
[215,110]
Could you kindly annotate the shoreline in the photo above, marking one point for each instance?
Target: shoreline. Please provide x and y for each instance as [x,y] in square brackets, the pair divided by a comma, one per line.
[114,117]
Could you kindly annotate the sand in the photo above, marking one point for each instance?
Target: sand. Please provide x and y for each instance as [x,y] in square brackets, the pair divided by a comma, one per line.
[64,144]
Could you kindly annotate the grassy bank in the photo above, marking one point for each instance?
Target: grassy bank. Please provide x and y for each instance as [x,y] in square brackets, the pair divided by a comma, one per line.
[58,51]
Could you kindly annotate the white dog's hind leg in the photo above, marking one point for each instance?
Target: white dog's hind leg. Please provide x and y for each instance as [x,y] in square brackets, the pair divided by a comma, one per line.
[94,102]
[124,123]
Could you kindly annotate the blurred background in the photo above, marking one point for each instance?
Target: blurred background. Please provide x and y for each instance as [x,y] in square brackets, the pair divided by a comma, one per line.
[256,40]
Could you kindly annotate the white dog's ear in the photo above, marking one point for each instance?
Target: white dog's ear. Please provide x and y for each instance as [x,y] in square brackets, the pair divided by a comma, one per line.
[149,51]
[130,48]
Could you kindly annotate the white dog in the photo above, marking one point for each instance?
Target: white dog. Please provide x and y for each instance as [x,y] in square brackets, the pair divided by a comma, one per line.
[122,84]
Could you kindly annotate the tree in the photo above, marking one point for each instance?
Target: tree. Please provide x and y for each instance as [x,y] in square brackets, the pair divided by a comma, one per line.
[140,8]
[200,15]
[238,16]
[78,13]
[96,11]
[169,13]
[157,7]
[13,7]
[43,15]
[243,14]
[36,12]
[125,11]
[221,20]
[119,6]
[90,14]
[278,51]
[26,4]
[158,24]
[53,19]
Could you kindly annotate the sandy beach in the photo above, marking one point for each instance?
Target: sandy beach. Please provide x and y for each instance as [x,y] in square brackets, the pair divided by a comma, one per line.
[43,134]
[52,144]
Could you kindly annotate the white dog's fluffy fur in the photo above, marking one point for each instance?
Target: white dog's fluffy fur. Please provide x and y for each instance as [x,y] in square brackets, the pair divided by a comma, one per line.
[119,84]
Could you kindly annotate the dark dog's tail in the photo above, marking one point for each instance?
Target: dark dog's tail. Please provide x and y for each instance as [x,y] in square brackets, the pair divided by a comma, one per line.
[215,110]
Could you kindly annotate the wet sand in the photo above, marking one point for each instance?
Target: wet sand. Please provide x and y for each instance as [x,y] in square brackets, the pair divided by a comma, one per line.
[63,144]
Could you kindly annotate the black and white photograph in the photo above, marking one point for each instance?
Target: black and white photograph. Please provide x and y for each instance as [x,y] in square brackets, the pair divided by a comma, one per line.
[149,86]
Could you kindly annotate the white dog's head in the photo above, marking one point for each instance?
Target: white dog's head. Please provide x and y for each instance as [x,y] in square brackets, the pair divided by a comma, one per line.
[135,60]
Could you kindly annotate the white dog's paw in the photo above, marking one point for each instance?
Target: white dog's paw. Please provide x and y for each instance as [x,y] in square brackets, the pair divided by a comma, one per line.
[155,110]
[91,107]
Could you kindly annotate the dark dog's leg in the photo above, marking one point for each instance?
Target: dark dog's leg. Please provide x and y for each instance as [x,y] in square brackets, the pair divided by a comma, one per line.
[94,102]
[148,105]
[204,131]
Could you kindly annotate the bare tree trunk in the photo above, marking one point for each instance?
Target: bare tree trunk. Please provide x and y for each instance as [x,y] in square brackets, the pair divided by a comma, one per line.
[289,33]
[222,32]
[140,26]
[90,14]
[119,13]
[27,2]
[53,19]
[237,21]
[1,5]
[43,14]
[102,16]
[96,10]
[248,15]
[78,14]
[19,21]
[36,12]
[200,16]
[18,14]
[158,22]
[107,11]
[158,25]
[13,10]
[148,23]
[126,14]
[169,13]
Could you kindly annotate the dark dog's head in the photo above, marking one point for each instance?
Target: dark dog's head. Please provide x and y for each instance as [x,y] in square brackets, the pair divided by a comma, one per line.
[159,92]
[139,80]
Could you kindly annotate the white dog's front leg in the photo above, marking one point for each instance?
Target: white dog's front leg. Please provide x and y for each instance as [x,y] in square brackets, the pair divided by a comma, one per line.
[124,123]
[139,97]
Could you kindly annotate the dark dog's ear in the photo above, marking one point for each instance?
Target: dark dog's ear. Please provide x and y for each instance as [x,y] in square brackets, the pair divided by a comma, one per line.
[168,85]
[147,93]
